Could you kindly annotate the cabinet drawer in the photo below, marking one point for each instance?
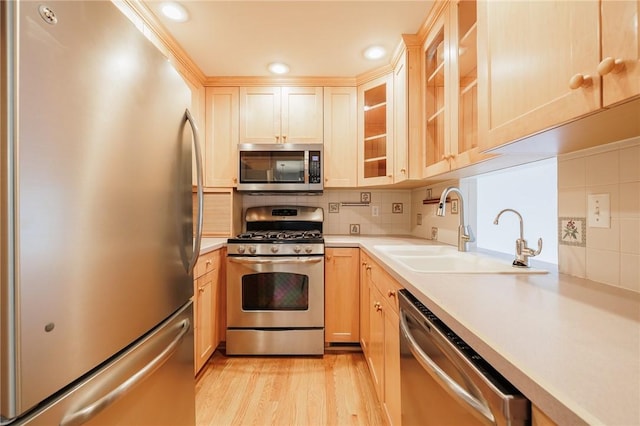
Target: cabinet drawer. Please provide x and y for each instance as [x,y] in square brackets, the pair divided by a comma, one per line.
[206,263]
[386,285]
[388,288]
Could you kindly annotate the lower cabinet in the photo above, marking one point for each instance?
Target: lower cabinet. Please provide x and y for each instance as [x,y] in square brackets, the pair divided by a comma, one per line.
[539,418]
[207,299]
[342,298]
[379,324]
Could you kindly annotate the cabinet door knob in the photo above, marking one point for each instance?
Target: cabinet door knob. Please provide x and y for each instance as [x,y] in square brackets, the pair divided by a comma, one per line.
[277,139]
[391,293]
[580,80]
[235,180]
[328,257]
[403,171]
[368,268]
[284,138]
[609,65]
[208,262]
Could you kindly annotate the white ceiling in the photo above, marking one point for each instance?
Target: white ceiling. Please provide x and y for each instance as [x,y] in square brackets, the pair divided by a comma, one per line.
[315,38]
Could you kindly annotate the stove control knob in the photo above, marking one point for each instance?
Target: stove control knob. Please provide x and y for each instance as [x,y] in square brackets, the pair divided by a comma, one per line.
[308,249]
[297,249]
[274,249]
[252,249]
[240,249]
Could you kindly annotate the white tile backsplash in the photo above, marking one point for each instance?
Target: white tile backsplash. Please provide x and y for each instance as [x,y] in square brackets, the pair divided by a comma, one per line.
[339,223]
[612,254]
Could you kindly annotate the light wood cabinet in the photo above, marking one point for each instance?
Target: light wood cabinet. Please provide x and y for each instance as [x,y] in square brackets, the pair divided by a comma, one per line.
[281,115]
[375,131]
[400,120]
[221,143]
[539,418]
[620,61]
[541,63]
[340,137]
[383,348]
[221,211]
[342,295]
[450,87]
[365,287]
[208,283]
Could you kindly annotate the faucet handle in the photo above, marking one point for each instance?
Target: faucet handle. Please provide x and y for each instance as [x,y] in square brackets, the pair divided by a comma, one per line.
[530,252]
[537,252]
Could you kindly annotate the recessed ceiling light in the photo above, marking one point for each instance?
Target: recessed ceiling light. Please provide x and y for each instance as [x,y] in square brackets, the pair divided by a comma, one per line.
[375,52]
[174,11]
[278,68]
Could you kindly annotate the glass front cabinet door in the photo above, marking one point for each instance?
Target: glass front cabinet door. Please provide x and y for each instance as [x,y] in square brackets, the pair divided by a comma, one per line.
[375,132]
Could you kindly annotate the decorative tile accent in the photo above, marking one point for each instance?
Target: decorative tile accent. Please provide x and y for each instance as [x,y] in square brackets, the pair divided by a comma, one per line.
[572,231]
[396,207]
[365,197]
[334,207]
[354,228]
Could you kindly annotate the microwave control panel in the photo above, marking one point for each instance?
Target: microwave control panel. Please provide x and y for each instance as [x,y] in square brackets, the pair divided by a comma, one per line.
[315,167]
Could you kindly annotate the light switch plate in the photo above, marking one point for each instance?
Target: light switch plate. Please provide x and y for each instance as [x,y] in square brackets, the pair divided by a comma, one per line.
[598,211]
[375,211]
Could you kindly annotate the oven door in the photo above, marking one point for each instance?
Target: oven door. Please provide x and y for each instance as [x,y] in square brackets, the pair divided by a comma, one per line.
[275,292]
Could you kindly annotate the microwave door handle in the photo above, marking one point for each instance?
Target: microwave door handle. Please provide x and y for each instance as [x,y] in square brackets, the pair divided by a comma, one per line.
[441,377]
[306,167]
[270,261]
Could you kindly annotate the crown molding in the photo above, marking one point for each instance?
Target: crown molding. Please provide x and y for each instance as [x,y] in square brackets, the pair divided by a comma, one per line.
[280,81]
[164,41]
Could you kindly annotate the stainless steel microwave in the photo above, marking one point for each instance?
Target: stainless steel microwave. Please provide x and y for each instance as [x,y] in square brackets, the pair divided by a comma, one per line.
[283,167]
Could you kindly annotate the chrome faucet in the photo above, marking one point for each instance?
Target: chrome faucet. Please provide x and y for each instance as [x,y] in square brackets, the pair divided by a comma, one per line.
[464,232]
[523,253]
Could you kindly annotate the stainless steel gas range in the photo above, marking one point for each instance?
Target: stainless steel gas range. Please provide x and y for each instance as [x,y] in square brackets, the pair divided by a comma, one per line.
[275,283]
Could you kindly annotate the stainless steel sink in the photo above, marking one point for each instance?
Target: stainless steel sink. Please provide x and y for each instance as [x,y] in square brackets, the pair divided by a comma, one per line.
[447,259]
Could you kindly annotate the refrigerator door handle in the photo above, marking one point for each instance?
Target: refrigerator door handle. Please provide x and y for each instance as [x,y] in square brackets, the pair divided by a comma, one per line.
[83,415]
[200,194]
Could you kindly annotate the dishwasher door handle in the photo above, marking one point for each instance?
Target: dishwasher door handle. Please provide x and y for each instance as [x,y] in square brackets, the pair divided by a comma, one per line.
[441,377]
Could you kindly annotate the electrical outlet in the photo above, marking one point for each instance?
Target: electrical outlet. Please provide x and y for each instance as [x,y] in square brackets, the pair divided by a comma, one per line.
[598,211]
[419,219]
[454,206]
[375,211]
[434,233]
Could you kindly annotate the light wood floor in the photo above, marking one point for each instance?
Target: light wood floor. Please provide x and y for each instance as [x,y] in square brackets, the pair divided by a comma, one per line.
[335,389]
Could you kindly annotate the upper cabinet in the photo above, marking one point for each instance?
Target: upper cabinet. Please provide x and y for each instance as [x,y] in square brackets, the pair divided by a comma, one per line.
[450,89]
[221,143]
[400,120]
[542,63]
[620,62]
[340,137]
[281,115]
[375,132]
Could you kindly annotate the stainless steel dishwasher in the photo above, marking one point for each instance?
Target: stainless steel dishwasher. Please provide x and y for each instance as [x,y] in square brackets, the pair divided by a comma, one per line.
[444,381]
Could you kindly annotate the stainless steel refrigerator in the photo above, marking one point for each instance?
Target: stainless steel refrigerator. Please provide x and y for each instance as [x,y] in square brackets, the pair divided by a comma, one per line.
[97,246]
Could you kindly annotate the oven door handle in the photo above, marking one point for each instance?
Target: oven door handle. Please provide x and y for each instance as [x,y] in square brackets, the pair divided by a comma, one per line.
[271,260]
[441,377]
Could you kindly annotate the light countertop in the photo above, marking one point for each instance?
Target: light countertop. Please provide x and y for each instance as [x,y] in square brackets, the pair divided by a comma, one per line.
[572,346]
